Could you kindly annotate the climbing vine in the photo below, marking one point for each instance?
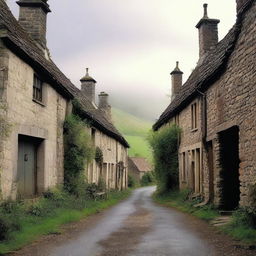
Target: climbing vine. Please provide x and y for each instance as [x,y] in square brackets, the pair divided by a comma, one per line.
[98,156]
[5,130]
[78,153]
[5,126]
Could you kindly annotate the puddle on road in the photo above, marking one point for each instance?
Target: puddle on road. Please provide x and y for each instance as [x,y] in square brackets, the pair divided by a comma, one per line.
[124,240]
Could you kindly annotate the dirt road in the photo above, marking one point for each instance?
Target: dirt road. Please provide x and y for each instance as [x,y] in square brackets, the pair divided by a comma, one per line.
[137,227]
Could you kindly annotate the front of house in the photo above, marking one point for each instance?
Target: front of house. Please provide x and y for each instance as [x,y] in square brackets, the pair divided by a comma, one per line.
[35,98]
[216,110]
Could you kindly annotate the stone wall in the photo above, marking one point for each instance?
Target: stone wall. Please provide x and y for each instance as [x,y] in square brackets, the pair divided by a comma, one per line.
[114,153]
[44,121]
[190,141]
[5,127]
[231,101]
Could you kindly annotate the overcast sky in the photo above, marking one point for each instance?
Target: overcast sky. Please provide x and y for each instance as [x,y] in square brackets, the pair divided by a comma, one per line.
[130,46]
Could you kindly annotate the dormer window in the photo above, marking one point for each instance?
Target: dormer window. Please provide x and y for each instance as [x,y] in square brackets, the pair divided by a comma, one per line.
[37,89]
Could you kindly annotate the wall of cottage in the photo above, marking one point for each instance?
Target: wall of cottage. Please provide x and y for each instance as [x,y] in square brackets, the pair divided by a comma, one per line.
[231,101]
[190,148]
[112,171]
[44,121]
[5,126]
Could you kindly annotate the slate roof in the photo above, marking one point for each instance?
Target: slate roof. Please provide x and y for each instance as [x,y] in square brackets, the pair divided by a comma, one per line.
[141,163]
[15,38]
[206,72]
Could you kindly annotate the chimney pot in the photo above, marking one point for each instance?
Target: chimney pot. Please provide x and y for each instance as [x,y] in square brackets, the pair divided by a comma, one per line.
[205,11]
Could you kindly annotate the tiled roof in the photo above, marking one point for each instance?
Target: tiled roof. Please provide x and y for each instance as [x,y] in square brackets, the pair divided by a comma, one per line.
[206,72]
[14,36]
[141,163]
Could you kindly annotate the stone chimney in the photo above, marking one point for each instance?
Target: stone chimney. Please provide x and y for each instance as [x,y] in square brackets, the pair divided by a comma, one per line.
[176,80]
[208,32]
[104,105]
[33,18]
[88,86]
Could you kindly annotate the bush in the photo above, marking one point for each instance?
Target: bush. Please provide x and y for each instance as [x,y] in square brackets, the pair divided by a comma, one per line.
[4,229]
[147,179]
[102,184]
[131,181]
[98,156]
[10,218]
[78,151]
[41,208]
[164,144]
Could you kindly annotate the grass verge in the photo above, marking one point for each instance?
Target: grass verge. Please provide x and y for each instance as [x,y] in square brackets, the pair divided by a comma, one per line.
[32,227]
[239,228]
[242,227]
[178,200]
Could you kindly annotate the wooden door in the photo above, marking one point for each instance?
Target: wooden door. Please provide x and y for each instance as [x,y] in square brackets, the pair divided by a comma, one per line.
[26,169]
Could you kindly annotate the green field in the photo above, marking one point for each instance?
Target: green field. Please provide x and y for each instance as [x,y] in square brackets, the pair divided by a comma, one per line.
[135,130]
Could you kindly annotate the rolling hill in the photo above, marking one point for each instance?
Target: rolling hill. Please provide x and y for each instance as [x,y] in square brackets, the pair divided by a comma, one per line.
[135,130]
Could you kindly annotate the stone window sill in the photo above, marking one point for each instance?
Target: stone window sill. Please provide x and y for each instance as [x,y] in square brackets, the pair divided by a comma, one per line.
[39,102]
[194,130]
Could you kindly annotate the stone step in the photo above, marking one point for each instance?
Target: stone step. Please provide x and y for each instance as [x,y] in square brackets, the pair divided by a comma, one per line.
[220,221]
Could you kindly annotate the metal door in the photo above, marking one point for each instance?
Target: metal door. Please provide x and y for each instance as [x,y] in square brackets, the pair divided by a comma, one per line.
[26,169]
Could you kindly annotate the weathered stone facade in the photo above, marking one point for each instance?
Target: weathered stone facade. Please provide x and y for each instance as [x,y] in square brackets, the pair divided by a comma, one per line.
[114,169]
[137,167]
[224,141]
[35,98]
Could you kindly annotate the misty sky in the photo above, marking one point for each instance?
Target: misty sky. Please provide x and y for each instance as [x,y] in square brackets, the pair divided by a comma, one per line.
[130,46]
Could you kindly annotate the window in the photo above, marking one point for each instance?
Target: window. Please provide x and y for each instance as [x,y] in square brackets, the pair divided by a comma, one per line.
[37,89]
[184,176]
[194,116]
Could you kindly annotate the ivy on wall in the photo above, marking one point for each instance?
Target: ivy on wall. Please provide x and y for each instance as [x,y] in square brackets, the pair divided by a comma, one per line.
[98,156]
[78,152]
[5,126]
[5,130]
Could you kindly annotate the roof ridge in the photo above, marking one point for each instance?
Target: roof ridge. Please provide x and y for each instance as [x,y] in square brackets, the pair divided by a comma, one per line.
[204,72]
[23,45]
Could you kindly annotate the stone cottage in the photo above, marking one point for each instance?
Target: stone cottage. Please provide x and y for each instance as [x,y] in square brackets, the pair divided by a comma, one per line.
[216,110]
[35,98]
[138,166]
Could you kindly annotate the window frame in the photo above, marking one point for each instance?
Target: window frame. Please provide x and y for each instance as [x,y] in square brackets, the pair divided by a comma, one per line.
[194,116]
[38,85]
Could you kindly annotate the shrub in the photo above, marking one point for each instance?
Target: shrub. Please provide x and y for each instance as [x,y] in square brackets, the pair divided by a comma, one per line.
[91,190]
[78,151]
[102,184]
[164,144]
[98,156]
[147,179]
[10,207]
[41,208]
[131,181]
[4,229]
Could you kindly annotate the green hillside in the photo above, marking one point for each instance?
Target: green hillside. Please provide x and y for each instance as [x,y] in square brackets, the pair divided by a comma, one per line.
[135,131]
